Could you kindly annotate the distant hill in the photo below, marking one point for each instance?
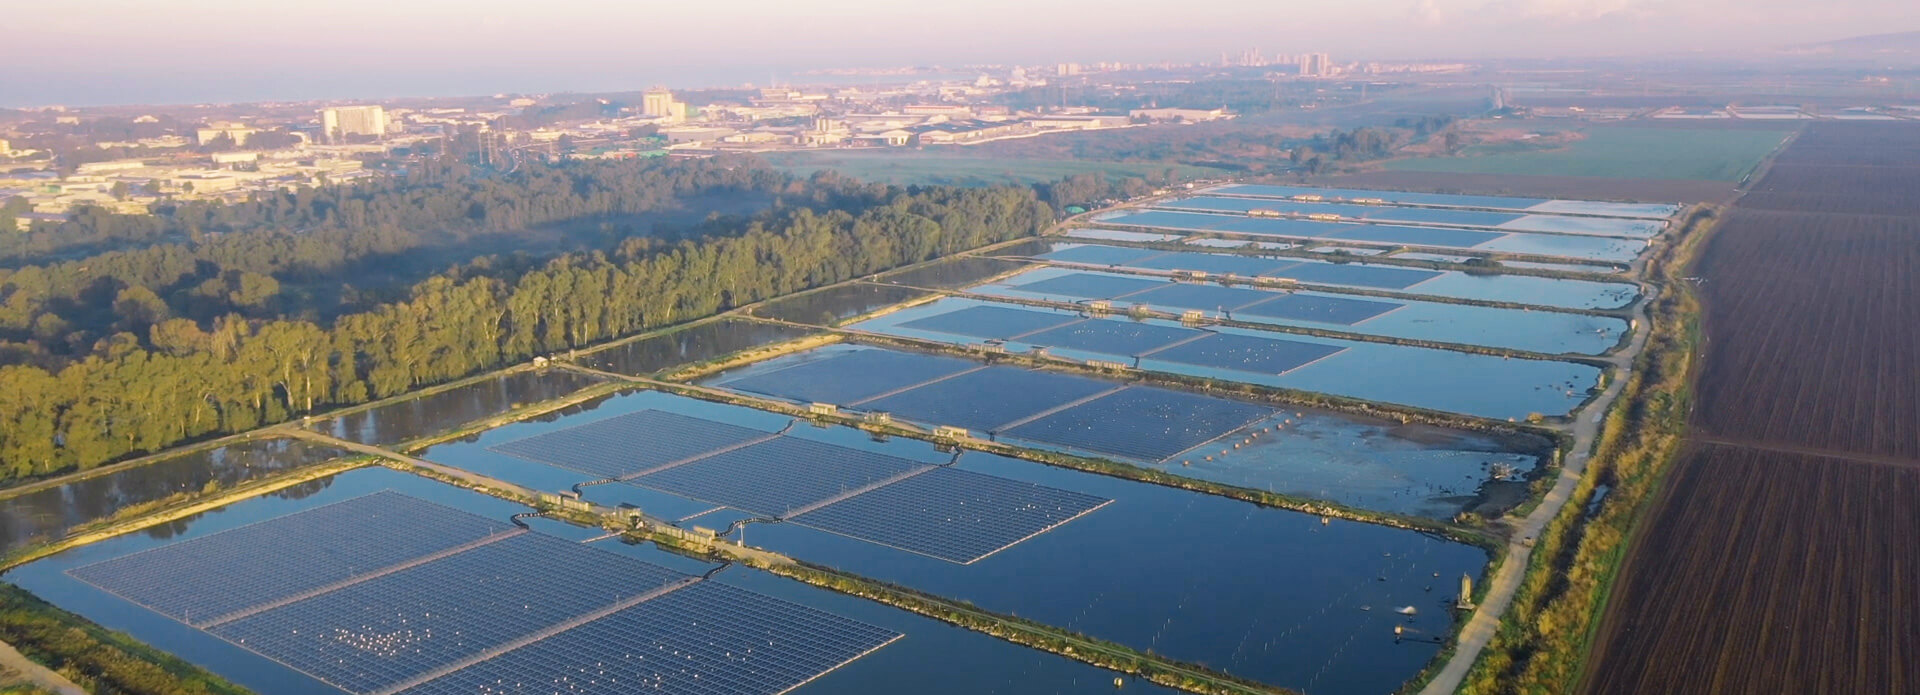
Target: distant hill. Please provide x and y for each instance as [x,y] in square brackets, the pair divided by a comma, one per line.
[1900,47]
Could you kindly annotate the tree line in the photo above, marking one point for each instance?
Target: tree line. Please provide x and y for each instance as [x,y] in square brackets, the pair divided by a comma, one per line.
[315,253]
[181,379]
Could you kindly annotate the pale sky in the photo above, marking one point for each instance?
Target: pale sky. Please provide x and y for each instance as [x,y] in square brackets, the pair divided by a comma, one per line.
[184,51]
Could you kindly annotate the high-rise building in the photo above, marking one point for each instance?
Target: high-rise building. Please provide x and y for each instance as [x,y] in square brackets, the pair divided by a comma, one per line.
[1316,65]
[341,121]
[657,102]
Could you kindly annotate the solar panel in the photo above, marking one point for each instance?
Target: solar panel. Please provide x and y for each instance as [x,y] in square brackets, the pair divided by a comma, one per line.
[335,543]
[1307,307]
[988,398]
[991,321]
[1090,285]
[779,476]
[1215,263]
[951,514]
[849,376]
[1099,255]
[1247,353]
[1142,423]
[1113,337]
[1421,236]
[1379,276]
[628,444]
[706,639]
[379,634]
[1203,297]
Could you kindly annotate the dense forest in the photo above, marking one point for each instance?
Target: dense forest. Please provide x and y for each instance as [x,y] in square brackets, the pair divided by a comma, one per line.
[160,374]
[319,253]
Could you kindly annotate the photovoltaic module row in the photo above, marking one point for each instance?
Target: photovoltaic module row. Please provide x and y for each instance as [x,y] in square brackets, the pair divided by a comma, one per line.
[380,634]
[706,639]
[629,444]
[831,380]
[1532,205]
[1344,311]
[1384,277]
[1304,229]
[333,545]
[778,476]
[1143,423]
[1125,338]
[463,619]
[1464,218]
[1139,422]
[951,514]
[988,399]
[994,322]
[793,477]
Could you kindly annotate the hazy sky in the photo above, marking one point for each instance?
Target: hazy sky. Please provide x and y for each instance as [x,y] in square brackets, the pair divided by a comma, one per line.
[184,51]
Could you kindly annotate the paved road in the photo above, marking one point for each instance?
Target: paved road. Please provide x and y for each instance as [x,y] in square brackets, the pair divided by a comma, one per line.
[1485,621]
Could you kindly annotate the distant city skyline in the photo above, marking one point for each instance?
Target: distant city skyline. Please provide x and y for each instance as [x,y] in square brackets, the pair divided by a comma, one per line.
[90,52]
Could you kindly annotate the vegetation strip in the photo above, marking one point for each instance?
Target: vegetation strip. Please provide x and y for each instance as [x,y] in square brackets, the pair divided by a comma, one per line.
[1545,633]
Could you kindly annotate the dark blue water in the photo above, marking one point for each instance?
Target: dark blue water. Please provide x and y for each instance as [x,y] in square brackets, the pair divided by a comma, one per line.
[690,345]
[50,513]
[933,658]
[438,412]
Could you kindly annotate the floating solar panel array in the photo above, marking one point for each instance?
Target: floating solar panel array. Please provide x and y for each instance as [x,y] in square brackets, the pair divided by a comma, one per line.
[1193,346]
[1138,422]
[779,476]
[951,514]
[463,605]
[1143,423]
[706,639]
[833,379]
[994,322]
[1118,337]
[1384,277]
[1398,197]
[175,580]
[444,613]
[1247,354]
[1344,311]
[804,480]
[988,400]
[1463,218]
[629,445]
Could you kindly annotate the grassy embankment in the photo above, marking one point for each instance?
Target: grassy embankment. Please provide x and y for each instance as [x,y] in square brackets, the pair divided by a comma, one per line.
[1546,633]
[102,661]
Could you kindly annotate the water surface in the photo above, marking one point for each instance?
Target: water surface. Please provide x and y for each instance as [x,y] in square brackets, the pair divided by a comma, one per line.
[50,513]
[420,416]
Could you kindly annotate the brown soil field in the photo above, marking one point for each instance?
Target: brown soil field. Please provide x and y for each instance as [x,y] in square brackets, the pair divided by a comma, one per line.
[1851,189]
[1782,557]
[1813,328]
[1765,572]
[1576,187]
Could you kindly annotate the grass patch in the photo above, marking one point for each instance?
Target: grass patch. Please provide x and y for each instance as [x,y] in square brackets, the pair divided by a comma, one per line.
[1623,153]
[910,167]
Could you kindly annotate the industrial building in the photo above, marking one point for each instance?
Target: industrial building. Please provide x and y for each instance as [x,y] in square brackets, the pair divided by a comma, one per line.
[341,121]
